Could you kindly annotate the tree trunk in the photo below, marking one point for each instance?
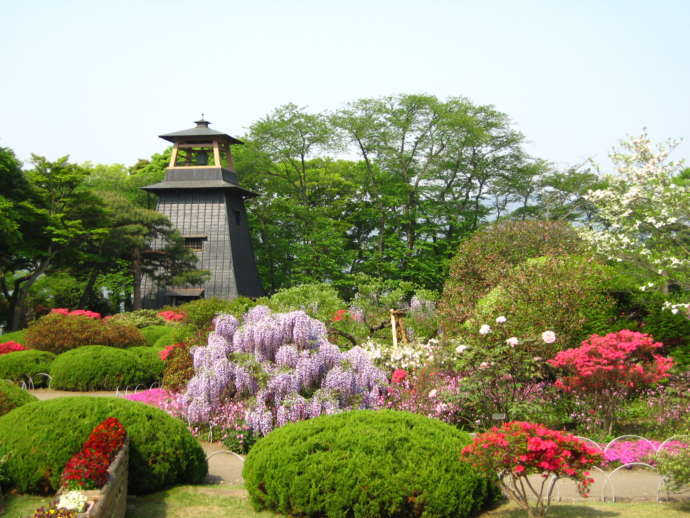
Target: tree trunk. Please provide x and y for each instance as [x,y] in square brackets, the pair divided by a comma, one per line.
[88,289]
[136,272]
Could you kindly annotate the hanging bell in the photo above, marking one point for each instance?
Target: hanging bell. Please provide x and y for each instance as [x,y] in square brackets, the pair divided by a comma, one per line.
[201,157]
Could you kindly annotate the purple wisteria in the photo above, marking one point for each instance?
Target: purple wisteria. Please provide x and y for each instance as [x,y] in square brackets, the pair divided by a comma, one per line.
[283,366]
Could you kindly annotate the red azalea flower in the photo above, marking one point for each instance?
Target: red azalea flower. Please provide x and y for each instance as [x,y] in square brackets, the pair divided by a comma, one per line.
[398,375]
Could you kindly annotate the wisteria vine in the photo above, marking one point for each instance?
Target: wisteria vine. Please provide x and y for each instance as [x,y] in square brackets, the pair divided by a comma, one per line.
[283,365]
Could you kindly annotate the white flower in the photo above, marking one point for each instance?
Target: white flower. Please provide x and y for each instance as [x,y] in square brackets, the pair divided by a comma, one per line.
[549,337]
[460,348]
[432,394]
[485,329]
[512,341]
[484,365]
[73,500]
[674,311]
[501,320]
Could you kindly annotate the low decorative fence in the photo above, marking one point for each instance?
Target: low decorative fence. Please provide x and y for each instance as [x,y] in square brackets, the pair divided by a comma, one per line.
[624,482]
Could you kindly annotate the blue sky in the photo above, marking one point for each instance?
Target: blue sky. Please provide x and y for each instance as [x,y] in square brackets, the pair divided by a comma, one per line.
[100,80]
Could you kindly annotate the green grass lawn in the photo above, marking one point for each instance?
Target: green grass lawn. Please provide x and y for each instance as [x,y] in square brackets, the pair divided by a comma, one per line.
[224,501]
[220,501]
[21,506]
[599,510]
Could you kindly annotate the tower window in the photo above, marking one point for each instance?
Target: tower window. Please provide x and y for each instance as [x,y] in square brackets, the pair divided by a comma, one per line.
[238,217]
[195,244]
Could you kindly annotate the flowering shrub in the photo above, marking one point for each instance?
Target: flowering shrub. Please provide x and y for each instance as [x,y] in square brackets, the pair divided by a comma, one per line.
[88,469]
[410,356]
[284,364]
[58,332]
[76,312]
[10,347]
[165,353]
[53,511]
[500,374]
[171,316]
[625,452]
[669,403]
[519,449]
[73,501]
[426,392]
[608,369]
[179,368]
[155,397]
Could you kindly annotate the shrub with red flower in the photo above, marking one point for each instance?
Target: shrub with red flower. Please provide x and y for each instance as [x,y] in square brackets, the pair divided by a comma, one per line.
[88,469]
[10,347]
[339,315]
[171,316]
[76,312]
[165,353]
[398,375]
[606,370]
[519,449]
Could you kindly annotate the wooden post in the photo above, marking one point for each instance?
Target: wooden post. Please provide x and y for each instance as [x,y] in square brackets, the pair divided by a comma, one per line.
[398,327]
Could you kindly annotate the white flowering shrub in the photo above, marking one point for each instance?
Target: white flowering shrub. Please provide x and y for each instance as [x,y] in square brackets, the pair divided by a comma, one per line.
[410,356]
[645,211]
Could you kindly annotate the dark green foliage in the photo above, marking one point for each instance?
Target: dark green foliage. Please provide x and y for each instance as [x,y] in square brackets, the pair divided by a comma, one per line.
[365,464]
[26,366]
[97,367]
[483,260]
[11,397]
[200,312]
[153,333]
[59,333]
[42,436]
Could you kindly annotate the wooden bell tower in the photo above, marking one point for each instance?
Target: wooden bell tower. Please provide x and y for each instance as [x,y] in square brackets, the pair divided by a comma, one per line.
[203,200]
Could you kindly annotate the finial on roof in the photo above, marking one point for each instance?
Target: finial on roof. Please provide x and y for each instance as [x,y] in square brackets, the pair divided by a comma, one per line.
[201,123]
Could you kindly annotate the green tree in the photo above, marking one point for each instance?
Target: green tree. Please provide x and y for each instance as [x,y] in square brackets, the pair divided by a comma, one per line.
[57,217]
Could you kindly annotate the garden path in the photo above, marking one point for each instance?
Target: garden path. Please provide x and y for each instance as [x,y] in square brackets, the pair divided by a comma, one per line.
[640,484]
[224,467]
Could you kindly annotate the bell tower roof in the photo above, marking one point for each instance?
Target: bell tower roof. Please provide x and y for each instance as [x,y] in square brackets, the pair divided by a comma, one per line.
[200,133]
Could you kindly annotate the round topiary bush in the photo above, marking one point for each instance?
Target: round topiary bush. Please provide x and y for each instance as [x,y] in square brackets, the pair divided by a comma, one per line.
[41,437]
[97,367]
[484,258]
[151,360]
[366,463]
[26,366]
[58,333]
[154,333]
[11,397]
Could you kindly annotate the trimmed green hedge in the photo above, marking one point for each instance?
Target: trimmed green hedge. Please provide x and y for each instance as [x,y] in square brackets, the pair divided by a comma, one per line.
[366,463]
[24,365]
[154,333]
[151,360]
[98,367]
[11,397]
[42,436]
